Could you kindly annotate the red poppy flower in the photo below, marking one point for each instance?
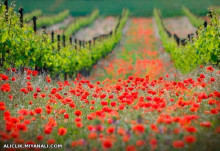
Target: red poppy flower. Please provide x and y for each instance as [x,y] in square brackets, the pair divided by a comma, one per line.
[190,139]
[50,141]
[140,143]
[62,131]
[78,113]
[191,129]
[205,124]
[107,144]
[178,144]
[110,130]
[130,148]
[40,137]
[38,110]
[66,116]
[92,135]
[138,128]
[6,87]
[22,127]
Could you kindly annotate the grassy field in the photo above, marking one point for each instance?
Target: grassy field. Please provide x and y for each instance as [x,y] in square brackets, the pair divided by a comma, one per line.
[114,7]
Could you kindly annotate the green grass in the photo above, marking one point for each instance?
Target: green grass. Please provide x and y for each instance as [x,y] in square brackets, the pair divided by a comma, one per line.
[114,7]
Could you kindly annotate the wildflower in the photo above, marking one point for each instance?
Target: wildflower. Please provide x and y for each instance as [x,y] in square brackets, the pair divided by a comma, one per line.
[62,131]
[50,141]
[191,129]
[92,135]
[139,128]
[38,110]
[140,142]
[78,113]
[130,148]
[6,87]
[40,137]
[190,139]
[66,116]
[110,130]
[178,144]
[205,124]
[107,144]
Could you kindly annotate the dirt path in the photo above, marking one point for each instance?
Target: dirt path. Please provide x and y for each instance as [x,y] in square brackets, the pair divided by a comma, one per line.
[100,26]
[58,26]
[136,54]
[180,26]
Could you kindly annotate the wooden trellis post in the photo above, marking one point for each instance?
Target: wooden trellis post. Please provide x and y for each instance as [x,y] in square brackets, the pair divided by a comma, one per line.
[64,41]
[21,10]
[205,24]
[58,42]
[177,39]
[80,44]
[52,37]
[90,44]
[71,42]
[75,43]
[44,29]
[6,12]
[35,24]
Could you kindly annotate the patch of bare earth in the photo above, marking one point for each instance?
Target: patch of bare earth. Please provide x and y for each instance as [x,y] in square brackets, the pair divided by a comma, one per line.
[58,26]
[180,26]
[99,27]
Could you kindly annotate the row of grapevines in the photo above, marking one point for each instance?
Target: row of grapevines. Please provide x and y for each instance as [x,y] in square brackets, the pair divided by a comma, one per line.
[21,47]
[196,21]
[29,16]
[85,58]
[204,49]
[81,22]
[50,20]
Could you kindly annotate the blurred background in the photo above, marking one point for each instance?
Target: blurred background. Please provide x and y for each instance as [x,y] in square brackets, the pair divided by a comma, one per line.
[137,8]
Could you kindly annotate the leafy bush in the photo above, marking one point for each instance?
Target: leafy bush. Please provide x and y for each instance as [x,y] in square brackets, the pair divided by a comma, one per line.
[204,49]
[21,47]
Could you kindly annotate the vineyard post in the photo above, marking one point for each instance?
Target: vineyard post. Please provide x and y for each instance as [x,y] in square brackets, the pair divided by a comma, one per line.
[52,37]
[6,6]
[21,16]
[65,76]
[75,44]
[35,24]
[80,44]
[205,24]
[44,29]
[71,42]
[64,41]
[58,42]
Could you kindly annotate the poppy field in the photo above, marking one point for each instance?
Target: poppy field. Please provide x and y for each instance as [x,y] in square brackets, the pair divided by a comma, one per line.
[137,87]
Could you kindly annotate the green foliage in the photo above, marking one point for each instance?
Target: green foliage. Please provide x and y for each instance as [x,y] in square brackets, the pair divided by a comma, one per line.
[196,21]
[21,47]
[217,10]
[50,20]
[81,22]
[29,16]
[204,49]
[169,8]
